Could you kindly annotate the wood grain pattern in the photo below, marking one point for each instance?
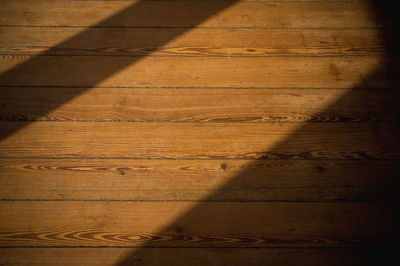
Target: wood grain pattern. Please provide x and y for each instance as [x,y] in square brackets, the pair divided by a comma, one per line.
[191,140]
[205,225]
[212,180]
[186,14]
[191,72]
[144,154]
[196,42]
[192,256]
[200,105]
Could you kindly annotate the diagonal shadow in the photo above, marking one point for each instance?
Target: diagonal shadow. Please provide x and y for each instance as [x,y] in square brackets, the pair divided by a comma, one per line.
[211,224]
[200,217]
[88,72]
[203,226]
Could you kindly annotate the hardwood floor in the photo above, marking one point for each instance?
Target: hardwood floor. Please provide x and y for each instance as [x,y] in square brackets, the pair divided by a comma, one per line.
[199,132]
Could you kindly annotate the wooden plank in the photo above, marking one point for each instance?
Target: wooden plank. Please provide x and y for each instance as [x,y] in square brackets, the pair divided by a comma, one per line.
[189,14]
[196,42]
[192,256]
[201,105]
[204,140]
[187,224]
[191,180]
[114,71]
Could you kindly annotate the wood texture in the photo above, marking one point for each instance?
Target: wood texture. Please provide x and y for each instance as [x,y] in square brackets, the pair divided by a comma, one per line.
[190,72]
[195,257]
[188,140]
[187,14]
[200,105]
[199,132]
[204,225]
[192,180]
[196,42]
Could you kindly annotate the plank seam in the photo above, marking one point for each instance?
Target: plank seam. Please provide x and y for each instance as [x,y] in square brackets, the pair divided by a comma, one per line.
[394,121]
[199,201]
[193,159]
[195,87]
[199,27]
[203,247]
[150,54]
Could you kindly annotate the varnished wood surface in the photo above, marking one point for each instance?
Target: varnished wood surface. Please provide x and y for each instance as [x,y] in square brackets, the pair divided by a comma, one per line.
[275,72]
[196,256]
[198,132]
[198,180]
[202,141]
[200,104]
[197,42]
[286,14]
[210,225]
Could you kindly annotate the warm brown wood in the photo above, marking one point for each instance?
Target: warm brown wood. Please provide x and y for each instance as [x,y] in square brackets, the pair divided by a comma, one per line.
[320,72]
[196,42]
[217,180]
[204,105]
[196,225]
[192,256]
[146,140]
[207,140]
[189,13]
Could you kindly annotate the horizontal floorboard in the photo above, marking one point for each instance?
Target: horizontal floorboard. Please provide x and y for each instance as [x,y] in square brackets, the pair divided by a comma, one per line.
[199,105]
[189,14]
[196,42]
[195,225]
[192,256]
[201,140]
[307,72]
[192,180]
